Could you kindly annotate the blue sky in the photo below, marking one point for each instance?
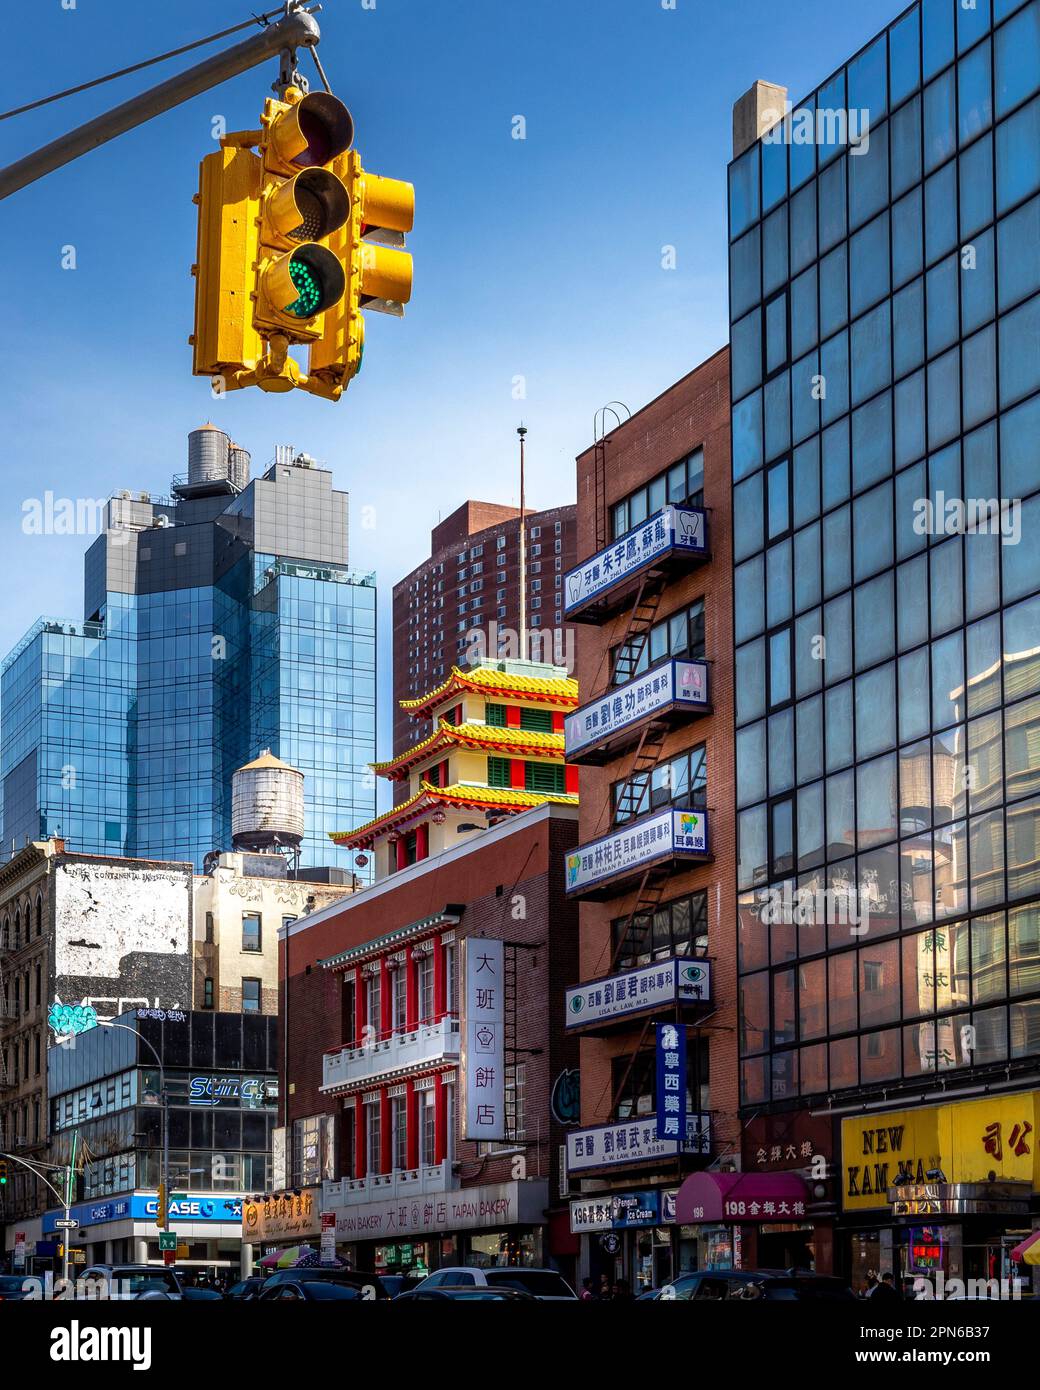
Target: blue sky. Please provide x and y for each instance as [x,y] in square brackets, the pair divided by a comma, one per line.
[538,258]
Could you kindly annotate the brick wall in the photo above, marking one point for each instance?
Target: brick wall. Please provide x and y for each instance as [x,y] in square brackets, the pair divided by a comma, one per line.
[510,885]
[693,413]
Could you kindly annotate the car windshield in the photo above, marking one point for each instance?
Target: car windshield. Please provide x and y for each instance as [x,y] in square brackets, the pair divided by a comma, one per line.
[327,1289]
[543,1283]
[154,1281]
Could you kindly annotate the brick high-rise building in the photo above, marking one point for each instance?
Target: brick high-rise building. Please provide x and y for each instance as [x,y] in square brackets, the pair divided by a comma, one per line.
[654,867]
[471,580]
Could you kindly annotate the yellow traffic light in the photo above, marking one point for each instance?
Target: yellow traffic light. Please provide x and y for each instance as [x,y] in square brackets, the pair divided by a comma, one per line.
[225,340]
[379,272]
[161,1217]
[294,242]
[302,202]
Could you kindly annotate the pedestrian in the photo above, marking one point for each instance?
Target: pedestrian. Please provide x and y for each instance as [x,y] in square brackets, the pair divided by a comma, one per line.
[604,1288]
[586,1295]
[622,1292]
[886,1289]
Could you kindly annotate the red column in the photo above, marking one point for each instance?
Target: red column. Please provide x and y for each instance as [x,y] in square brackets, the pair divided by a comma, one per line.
[440,993]
[386,1015]
[386,1152]
[558,725]
[402,853]
[412,1122]
[422,841]
[571,779]
[512,716]
[440,1120]
[359,1008]
[411,992]
[360,1150]
[516,774]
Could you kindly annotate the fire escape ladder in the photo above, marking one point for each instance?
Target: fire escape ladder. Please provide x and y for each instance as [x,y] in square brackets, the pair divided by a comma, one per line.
[599,477]
[648,900]
[637,630]
[628,1070]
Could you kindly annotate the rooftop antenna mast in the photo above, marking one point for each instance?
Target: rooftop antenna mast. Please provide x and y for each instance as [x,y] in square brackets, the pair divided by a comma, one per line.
[522,432]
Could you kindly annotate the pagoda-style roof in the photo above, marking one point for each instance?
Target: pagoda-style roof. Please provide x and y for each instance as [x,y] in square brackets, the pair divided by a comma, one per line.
[485,738]
[458,797]
[560,691]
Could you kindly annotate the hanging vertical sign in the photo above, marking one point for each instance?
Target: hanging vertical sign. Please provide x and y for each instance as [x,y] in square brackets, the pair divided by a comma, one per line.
[671,1081]
[483,1039]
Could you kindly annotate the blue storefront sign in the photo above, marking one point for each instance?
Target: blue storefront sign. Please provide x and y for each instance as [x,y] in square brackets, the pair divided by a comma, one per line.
[673,529]
[682,980]
[144,1206]
[663,835]
[671,1081]
[676,683]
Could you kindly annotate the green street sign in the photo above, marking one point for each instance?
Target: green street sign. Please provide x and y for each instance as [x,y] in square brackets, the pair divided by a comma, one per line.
[167,1240]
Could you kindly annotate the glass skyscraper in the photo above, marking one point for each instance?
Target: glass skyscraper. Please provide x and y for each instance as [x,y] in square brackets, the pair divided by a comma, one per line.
[885,308]
[220,621]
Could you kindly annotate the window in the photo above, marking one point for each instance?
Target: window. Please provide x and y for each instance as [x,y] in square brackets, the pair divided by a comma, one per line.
[399,998]
[678,928]
[251,996]
[680,485]
[681,781]
[373,1136]
[207,992]
[251,938]
[680,636]
[426,1101]
[399,1131]
[373,1016]
[209,928]
[424,967]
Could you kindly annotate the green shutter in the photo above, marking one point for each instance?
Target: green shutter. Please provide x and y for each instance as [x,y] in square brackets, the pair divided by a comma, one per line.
[545,777]
[537,720]
[495,715]
[498,772]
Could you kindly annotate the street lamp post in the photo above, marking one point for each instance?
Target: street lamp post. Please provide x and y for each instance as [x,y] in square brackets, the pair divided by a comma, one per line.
[64,1196]
[165,1100]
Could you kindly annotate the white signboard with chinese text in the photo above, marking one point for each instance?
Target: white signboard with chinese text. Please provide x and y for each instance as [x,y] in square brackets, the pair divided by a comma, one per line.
[493,1206]
[671,529]
[685,980]
[675,683]
[666,834]
[632,1141]
[483,1039]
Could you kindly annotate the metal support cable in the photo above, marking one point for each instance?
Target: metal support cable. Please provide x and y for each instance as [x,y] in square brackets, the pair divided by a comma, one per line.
[147,63]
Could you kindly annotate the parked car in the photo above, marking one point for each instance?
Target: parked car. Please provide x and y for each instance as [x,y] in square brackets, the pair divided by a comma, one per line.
[473,1293]
[398,1284]
[355,1278]
[136,1281]
[769,1284]
[13,1288]
[544,1284]
[246,1289]
[312,1291]
[193,1293]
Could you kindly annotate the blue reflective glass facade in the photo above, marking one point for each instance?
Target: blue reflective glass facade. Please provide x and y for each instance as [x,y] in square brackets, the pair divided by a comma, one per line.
[885,309]
[122,733]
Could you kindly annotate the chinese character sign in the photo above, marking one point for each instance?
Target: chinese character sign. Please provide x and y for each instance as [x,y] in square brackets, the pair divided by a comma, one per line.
[682,529]
[671,1081]
[483,1046]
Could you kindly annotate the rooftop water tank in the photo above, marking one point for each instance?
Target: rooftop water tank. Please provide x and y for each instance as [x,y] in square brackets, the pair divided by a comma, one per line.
[266,804]
[208,455]
[239,466]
